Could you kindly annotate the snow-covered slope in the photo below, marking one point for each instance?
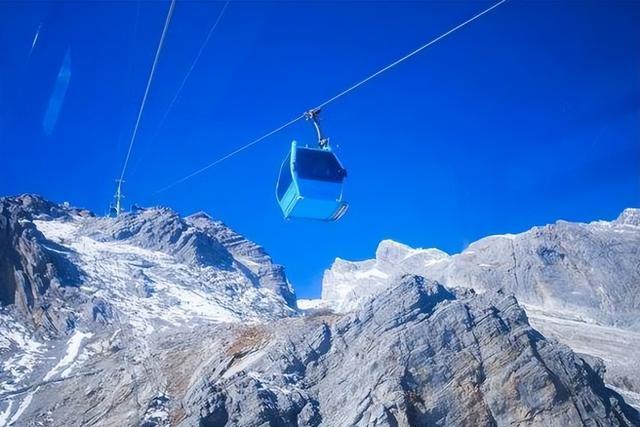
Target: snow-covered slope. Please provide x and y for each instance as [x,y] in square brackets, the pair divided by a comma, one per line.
[154,289]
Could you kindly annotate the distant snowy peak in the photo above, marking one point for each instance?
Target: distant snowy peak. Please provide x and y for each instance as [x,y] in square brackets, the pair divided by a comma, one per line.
[629,216]
[310,304]
[346,285]
[586,271]
[393,252]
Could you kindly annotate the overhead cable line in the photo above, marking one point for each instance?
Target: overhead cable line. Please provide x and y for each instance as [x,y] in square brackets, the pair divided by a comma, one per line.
[193,64]
[334,98]
[409,55]
[231,154]
[187,75]
[167,21]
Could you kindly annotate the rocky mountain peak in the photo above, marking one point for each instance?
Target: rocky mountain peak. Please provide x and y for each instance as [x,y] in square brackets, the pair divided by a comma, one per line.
[391,251]
[200,215]
[630,216]
[29,206]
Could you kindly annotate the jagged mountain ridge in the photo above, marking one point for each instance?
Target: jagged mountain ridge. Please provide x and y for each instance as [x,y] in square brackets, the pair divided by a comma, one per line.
[45,245]
[152,319]
[589,271]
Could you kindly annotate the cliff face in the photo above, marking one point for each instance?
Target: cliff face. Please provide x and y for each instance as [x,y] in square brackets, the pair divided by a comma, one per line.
[32,270]
[253,257]
[418,354]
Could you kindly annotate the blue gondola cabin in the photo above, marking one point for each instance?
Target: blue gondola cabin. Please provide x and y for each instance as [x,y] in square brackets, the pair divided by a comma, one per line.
[310,184]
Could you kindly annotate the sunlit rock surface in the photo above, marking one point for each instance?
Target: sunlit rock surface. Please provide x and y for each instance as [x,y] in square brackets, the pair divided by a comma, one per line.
[578,282]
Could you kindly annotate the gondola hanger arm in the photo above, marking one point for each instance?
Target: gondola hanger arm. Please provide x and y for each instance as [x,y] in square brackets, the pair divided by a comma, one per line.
[313,115]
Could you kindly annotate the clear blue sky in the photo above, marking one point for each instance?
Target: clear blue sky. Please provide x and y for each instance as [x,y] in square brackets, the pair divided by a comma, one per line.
[529,115]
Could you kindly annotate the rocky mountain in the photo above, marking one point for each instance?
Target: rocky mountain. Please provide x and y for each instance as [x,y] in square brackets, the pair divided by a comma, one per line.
[68,277]
[419,354]
[579,283]
[151,319]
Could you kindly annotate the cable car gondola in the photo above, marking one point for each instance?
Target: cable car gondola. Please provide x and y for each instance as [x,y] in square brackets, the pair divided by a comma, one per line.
[310,182]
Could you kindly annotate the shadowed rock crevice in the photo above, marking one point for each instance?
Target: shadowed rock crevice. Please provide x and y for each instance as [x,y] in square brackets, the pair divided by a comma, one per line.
[33,270]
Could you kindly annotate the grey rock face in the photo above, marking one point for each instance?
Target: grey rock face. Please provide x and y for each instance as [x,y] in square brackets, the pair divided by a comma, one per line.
[590,271]
[163,230]
[31,276]
[196,239]
[252,256]
[415,355]
[629,217]
[33,266]
[418,354]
